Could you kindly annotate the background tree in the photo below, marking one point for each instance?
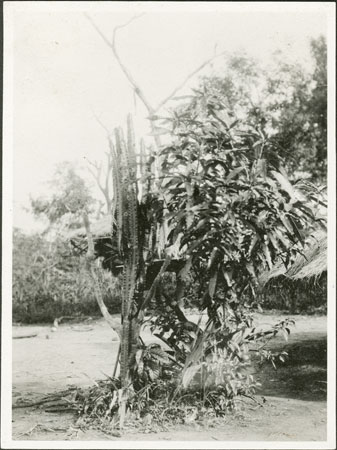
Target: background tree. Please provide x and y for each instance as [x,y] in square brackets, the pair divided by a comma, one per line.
[70,196]
[72,199]
[50,281]
[318,103]
[285,100]
[102,174]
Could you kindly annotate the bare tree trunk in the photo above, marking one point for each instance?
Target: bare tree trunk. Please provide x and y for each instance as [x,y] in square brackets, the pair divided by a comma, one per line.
[96,276]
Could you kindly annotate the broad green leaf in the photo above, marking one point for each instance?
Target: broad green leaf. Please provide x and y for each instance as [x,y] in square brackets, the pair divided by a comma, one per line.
[234,173]
[267,255]
[186,269]
[228,277]
[286,185]
[212,285]
[286,223]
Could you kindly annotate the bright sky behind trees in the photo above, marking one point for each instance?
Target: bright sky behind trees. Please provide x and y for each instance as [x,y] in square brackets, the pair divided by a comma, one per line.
[64,74]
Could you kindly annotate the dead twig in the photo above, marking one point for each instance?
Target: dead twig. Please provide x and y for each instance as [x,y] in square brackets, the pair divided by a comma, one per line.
[55,397]
[82,329]
[138,90]
[113,47]
[25,336]
[96,171]
[42,428]
[252,398]
[105,128]
[57,409]
[29,431]
[50,402]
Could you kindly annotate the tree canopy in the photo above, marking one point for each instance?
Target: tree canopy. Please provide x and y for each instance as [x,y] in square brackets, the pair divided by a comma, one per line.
[285,100]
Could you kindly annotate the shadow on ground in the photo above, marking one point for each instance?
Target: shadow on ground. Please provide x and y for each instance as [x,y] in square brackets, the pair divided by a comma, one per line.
[303,376]
[295,393]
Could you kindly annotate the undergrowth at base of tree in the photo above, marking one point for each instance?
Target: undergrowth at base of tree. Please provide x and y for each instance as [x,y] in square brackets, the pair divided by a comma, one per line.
[156,407]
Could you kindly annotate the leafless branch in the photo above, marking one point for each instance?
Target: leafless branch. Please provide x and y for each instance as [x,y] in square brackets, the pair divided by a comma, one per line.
[137,89]
[24,336]
[95,173]
[137,16]
[126,71]
[105,39]
[95,164]
[105,128]
[191,75]
[131,79]
[103,186]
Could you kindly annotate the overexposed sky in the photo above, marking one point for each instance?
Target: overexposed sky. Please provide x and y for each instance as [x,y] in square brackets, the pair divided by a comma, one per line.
[63,73]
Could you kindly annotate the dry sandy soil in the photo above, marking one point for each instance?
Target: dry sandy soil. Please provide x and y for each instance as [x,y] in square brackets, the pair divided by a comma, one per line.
[295,394]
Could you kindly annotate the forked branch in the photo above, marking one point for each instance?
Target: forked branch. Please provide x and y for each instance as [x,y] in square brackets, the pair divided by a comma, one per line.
[152,110]
[96,170]
[126,71]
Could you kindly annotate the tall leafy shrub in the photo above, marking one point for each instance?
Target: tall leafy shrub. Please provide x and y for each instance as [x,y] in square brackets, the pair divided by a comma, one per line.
[233,213]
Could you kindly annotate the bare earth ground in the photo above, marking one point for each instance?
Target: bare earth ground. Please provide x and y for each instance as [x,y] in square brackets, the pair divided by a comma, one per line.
[295,394]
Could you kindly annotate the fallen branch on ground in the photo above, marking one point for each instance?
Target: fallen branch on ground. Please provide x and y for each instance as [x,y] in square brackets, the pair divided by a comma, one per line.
[25,336]
[42,428]
[49,398]
[82,329]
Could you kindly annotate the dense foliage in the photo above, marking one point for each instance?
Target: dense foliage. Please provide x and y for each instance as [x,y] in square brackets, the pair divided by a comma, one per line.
[307,296]
[222,205]
[49,282]
[233,213]
[286,101]
[70,197]
[231,206]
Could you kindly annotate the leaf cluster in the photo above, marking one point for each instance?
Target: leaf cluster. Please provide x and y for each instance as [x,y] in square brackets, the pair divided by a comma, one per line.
[231,207]
[70,196]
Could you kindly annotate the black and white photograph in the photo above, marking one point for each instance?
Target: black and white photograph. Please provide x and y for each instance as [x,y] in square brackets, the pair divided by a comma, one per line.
[168,225]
